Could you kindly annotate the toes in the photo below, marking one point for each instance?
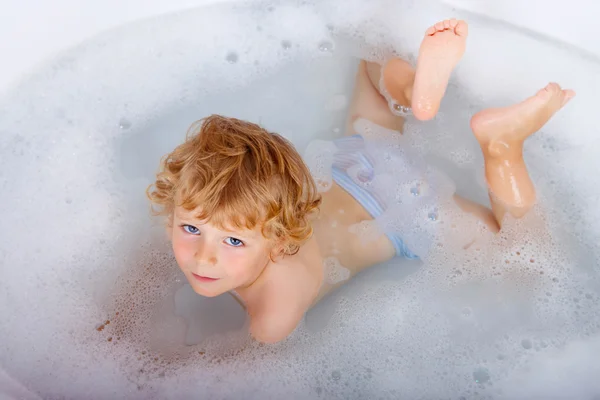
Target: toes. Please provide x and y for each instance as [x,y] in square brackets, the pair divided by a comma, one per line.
[462,28]
[549,91]
[553,88]
[569,94]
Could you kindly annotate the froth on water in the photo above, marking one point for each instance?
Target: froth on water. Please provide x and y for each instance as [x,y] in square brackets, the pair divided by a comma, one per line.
[91,299]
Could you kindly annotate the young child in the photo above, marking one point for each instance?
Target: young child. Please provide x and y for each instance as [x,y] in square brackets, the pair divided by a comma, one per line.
[245,216]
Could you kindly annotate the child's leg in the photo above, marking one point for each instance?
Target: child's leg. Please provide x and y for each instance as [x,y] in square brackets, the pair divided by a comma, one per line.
[501,133]
[369,103]
[340,210]
[440,51]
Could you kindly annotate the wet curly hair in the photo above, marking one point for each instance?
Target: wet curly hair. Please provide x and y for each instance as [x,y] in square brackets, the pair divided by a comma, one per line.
[236,174]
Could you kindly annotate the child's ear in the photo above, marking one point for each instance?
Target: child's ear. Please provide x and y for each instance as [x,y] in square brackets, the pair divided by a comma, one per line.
[277,252]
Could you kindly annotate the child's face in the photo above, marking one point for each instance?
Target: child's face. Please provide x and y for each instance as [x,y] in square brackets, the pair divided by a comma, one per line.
[216,261]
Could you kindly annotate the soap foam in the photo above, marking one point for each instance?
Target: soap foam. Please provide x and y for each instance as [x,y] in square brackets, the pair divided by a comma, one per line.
[78,247]
[335,272]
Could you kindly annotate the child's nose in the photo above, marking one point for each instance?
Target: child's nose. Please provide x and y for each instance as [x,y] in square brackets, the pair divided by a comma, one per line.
[206,255]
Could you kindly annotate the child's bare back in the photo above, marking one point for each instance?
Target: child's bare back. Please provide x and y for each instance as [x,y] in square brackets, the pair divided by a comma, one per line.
[245,216]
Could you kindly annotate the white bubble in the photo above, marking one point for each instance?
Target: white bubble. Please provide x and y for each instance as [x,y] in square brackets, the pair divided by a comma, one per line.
[481,375]
[326,46]
[433,216]
[124,124]
[334,271]
[232,57]
[67,168]
[336,375]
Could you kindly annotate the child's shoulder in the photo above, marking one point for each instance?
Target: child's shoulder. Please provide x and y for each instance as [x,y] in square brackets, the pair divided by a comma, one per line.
[277,314]
[285,292]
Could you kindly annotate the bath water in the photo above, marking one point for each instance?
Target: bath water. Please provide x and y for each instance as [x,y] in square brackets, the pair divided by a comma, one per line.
[93,305]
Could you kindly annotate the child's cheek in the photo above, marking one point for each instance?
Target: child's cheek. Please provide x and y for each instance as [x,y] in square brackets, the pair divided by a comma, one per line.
[182,250]
[236,263]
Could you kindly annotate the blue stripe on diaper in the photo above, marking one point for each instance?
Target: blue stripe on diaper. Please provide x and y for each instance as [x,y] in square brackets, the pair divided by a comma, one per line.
[367,200]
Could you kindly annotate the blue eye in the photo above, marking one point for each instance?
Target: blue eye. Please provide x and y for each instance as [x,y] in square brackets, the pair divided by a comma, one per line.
[191,229]
[234,242]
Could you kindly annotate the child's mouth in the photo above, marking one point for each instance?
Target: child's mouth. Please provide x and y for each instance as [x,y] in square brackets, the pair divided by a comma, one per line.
[204,278]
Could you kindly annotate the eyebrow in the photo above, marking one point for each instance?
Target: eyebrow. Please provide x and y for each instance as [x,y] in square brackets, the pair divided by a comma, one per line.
[241,235]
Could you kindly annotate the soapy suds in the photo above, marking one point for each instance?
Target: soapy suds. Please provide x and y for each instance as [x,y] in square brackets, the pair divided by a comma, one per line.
[334,271]
[81,138]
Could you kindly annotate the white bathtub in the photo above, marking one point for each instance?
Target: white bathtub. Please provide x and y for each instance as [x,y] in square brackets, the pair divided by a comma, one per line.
[39,30]
[568,29]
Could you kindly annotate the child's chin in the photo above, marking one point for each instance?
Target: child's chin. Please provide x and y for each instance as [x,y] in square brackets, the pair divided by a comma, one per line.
[207,292]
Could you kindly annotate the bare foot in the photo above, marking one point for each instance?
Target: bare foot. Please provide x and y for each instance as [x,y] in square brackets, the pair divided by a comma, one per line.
[441,49]
[501,132]
[498,130]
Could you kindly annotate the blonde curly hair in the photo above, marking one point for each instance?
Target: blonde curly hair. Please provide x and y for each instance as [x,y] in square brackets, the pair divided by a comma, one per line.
[235,174]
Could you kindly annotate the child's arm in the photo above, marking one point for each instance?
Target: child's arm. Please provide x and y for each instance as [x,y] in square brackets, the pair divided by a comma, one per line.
[284,298]
[272,326]
[276,316]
